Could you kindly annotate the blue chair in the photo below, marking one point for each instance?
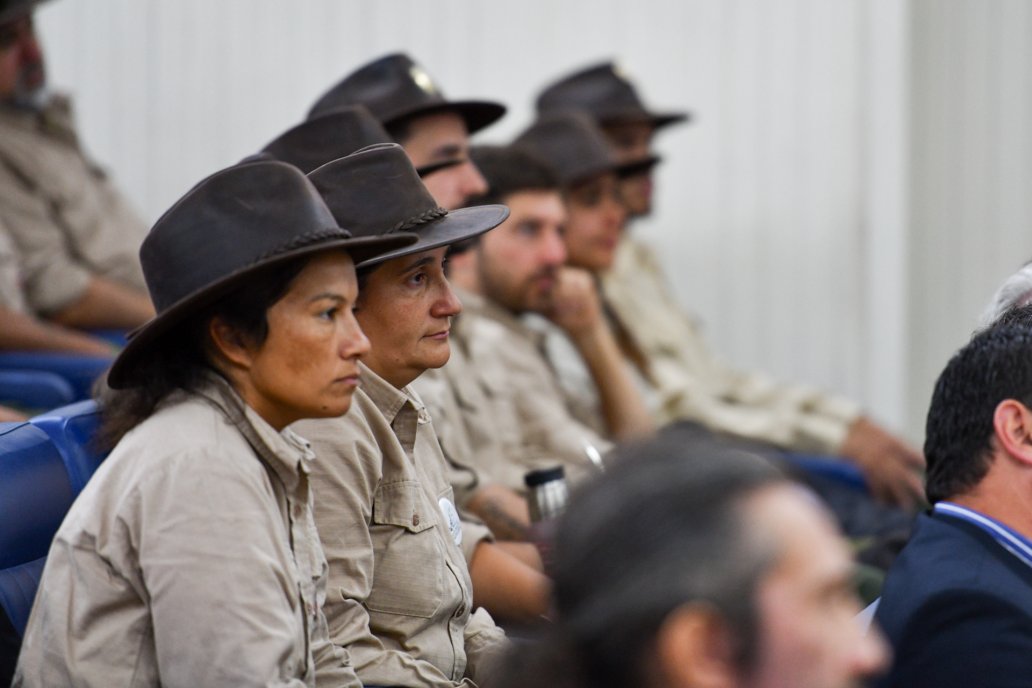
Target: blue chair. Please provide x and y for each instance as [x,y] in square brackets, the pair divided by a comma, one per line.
[35,495]
[34,389]
[829,467]
[78,370]
[72,430]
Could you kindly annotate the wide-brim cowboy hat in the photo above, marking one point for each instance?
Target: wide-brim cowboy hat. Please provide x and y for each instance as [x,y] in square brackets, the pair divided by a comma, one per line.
[572,144]
[606,94]
[13,9]
[225,231]
[376,192]
[395,88]
[333,135]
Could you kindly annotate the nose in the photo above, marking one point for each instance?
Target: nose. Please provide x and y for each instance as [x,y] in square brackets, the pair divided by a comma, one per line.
[871,654]
[615,212]
[447,304]
[354,343]
[474,183]
[553,249]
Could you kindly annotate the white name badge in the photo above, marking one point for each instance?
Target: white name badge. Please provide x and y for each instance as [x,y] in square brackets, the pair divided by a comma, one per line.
[451,517]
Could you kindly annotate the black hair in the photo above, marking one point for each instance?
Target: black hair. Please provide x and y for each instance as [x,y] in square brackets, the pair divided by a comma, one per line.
[665,526]
[182,359]
[995,365]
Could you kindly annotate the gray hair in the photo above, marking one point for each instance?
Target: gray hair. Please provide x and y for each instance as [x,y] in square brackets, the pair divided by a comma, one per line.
[1016,291]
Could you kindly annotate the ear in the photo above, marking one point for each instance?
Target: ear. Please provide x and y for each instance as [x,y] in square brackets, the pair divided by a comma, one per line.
[694,648]
[229,345]
[1012,424]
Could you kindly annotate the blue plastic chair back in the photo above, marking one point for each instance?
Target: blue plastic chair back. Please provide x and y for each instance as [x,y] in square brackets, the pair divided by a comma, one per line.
[34,389]
[72,429]
[829,467]
[35,495]
[18,586]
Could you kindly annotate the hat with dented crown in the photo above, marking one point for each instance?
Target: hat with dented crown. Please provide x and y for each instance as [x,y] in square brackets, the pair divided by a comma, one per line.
[330,136]
[376,192]
[394,88]
[606,94]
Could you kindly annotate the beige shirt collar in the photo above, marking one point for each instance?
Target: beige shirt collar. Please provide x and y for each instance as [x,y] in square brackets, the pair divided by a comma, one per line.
[286,453]
[478,305]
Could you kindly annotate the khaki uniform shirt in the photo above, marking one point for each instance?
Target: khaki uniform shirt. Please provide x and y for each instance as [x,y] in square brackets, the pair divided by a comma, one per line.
[190,559]
[452,395]
[400,597]
[10,274]
[536,428]
[694,384]
[65,216]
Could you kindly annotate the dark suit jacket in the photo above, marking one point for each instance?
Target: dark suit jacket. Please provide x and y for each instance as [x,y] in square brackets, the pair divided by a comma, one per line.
[957,609]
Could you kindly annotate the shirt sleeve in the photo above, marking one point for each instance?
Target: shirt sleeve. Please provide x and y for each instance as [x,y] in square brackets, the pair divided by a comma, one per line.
[223,597]
[53,279]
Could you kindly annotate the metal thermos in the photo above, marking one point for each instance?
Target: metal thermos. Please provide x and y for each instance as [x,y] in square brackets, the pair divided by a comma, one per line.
[547,493]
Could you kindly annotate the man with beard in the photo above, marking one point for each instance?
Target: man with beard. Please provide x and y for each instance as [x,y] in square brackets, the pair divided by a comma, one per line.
[76,236]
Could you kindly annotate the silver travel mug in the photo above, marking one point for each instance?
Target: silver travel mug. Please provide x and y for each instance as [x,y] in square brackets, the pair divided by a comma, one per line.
[546,493]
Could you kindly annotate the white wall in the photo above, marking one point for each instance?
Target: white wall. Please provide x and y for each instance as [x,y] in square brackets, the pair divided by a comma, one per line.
[792,216]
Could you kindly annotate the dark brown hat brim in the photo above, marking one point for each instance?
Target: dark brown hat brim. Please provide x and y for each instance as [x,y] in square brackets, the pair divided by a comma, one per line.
[18,9]
[658,120]
[477,114]
[124,371]
[456,226]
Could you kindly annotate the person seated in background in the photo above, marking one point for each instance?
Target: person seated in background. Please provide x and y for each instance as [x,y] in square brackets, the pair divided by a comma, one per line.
[957,603]
[402,601]
[520,269]
[692,566]
[191,556]
[76,236]
[690,382]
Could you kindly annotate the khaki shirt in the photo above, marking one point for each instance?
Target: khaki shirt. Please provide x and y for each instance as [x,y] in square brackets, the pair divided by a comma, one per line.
[11,295]
[694,384]
[531,419]
[66,218]
[191,558]
[400,597]
[452,398]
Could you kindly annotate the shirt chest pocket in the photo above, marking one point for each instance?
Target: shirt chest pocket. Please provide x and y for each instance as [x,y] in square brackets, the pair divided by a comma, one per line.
[409,563]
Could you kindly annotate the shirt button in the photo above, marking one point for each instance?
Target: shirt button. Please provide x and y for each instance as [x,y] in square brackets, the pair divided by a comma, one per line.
[415,520]
[299,511]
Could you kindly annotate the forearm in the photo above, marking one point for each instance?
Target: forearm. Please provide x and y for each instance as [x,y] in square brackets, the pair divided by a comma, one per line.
[502,510]
[506,587]
[623,408]
[23,332]
[105,304]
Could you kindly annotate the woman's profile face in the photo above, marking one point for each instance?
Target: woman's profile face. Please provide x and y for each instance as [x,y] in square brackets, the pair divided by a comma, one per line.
[406,308]
[307,367]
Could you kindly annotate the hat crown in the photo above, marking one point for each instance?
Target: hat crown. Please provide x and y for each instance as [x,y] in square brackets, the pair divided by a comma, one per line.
[571,143]
[601,90]
[333,135]
[376,191]
[232,221]
[391,87]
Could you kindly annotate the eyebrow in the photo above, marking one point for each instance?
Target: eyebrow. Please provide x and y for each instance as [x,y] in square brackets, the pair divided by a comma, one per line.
[328,295]
[450,150]
[425,260]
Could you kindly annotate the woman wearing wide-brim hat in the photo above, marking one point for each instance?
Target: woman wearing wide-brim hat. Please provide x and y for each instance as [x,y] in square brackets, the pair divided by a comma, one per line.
[191,557]
[401,599]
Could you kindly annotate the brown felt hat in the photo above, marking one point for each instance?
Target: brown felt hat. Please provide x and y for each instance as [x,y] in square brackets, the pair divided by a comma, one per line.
[383,172]
[394,88]
[337,133]
[225,229]
[575,148]
[605,93]
[13,9]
